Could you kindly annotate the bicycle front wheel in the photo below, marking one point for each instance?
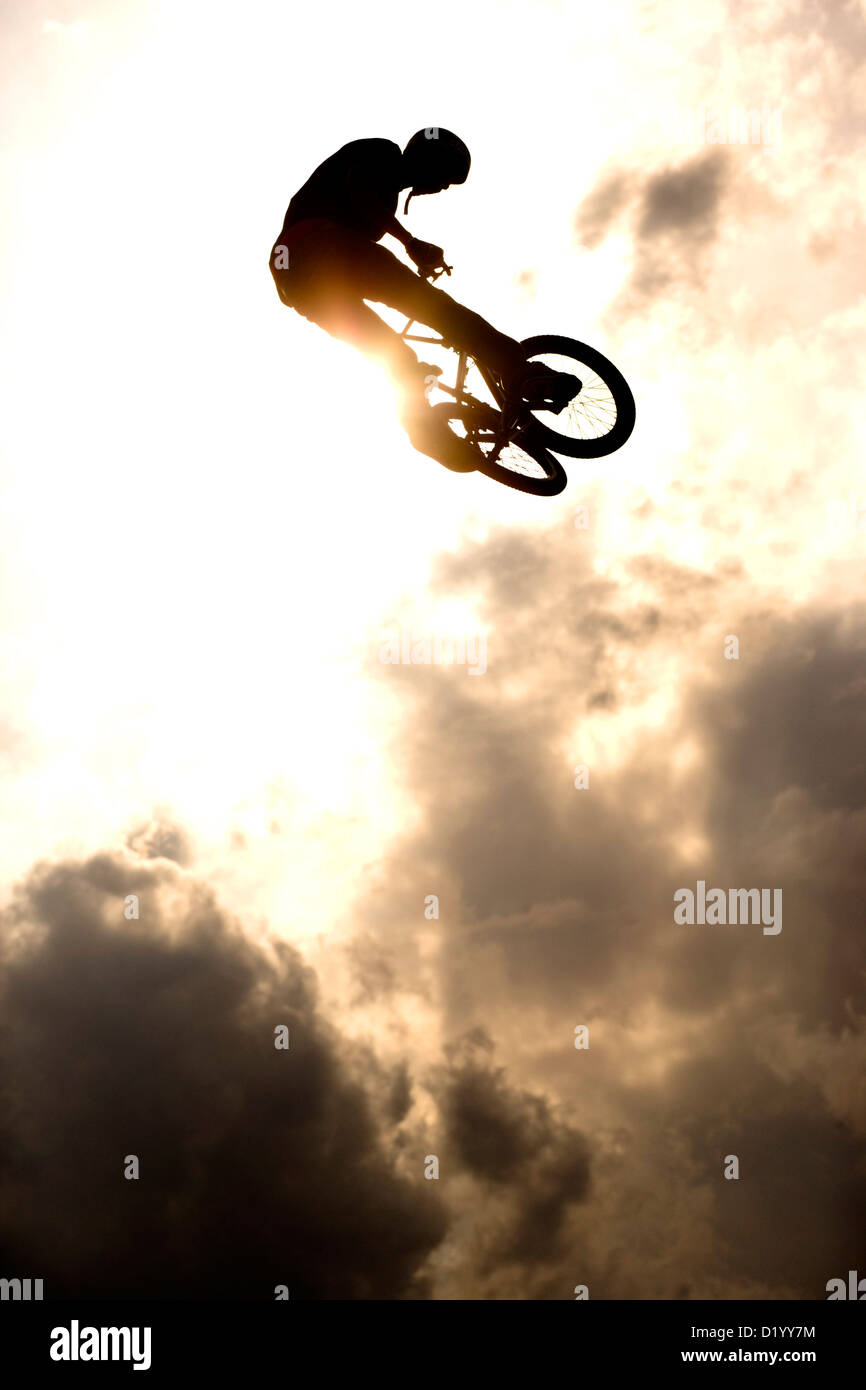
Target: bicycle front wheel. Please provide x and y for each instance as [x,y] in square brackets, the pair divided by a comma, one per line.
[601,417]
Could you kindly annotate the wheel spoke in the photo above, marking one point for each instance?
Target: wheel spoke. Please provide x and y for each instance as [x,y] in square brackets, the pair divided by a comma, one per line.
[592,414]
[512,457]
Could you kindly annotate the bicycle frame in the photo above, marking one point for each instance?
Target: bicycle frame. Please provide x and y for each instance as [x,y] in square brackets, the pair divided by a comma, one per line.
[461,396]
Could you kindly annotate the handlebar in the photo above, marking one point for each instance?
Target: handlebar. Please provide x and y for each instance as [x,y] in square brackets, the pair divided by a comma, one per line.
[432,275]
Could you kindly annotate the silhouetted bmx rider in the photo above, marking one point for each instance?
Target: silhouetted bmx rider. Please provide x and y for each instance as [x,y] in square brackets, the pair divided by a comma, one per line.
[327,262]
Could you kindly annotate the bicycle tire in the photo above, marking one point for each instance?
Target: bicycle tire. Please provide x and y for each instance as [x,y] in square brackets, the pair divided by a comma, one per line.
[593,446]
[526,439]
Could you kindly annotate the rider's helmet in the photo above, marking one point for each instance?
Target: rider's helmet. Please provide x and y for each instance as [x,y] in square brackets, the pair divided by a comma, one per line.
[435,158]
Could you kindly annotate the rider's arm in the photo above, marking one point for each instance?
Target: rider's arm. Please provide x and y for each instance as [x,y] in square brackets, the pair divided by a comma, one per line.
[426,256]
[395,230]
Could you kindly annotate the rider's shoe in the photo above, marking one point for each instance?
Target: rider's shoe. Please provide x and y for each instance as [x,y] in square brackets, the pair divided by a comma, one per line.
[431,435]
[543,388]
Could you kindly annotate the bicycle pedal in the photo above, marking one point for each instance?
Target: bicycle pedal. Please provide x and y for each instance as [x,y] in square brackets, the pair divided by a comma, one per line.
[544,395]
[558,406]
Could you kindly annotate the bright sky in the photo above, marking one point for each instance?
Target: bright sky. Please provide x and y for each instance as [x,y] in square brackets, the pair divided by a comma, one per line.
[207,506]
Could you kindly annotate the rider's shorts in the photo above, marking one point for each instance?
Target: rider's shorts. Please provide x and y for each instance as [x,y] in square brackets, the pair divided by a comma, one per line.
[308,246]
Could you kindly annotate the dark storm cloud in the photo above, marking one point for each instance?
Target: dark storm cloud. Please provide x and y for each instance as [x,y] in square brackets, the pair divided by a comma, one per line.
[372,972]
[155,1037]
[786,760]
[794,1159]
[400,1096]
[557,907]
[813,669]
[494,1131]
[512,1140]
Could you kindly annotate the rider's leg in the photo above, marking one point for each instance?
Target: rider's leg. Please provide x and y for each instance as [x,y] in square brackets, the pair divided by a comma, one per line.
[353,322]
[385,280]
[339,268]
[380,277]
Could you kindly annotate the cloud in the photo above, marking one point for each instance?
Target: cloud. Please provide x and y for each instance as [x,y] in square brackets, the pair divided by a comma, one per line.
[159,838]
[556,909]
[673,215]
[512,1140]
[684,203]
[155,1037]
[601,206]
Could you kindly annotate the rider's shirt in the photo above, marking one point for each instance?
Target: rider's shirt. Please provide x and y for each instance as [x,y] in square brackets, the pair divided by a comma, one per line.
[358,188]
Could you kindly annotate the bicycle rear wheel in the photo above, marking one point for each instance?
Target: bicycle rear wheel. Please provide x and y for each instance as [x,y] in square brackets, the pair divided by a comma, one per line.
[523,463]
[601,417]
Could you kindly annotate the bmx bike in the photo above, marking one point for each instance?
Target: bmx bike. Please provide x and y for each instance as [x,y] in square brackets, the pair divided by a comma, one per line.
[517,444]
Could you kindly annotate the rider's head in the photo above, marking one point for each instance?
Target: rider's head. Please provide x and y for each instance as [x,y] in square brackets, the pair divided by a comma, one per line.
[434,159]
